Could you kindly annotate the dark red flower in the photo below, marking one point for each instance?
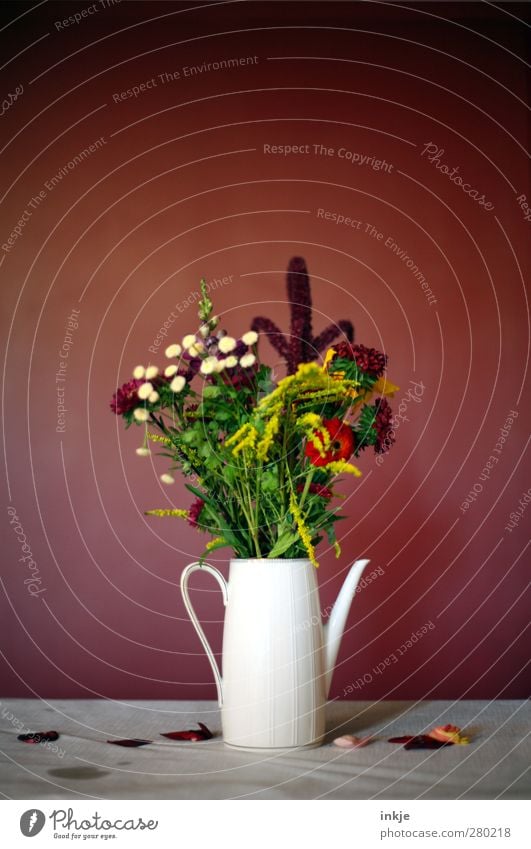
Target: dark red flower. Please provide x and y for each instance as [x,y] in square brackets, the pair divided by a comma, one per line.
[383,424]
[369,360]
[300,346]
[195,512]
[125,398]
[341,444]
[317,489]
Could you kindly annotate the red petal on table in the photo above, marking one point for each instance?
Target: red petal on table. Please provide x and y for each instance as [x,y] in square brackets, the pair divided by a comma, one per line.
[195,736]
[423,741]
[420,741]
[129,743]
[39,737]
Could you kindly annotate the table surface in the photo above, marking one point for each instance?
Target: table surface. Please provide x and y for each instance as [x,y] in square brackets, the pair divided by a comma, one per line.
[85,766]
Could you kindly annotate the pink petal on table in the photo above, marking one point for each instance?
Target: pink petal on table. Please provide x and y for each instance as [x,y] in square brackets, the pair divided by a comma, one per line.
[349,741]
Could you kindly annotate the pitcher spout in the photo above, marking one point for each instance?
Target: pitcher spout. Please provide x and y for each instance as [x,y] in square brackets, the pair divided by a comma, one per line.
[333,630]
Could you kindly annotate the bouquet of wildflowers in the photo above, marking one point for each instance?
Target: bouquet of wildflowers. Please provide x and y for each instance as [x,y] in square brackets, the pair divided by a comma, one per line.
[261,458]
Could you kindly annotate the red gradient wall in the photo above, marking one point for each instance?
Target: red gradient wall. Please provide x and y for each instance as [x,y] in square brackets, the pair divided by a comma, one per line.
[182,184]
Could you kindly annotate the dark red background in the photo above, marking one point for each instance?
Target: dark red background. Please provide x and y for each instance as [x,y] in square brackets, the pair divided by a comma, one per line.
[182,188]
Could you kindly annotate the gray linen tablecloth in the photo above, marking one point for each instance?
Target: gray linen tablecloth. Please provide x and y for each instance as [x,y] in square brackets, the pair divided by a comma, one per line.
[84,766]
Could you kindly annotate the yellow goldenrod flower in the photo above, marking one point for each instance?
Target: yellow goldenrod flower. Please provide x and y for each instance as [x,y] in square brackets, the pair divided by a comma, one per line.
[181,514]
[249,441]
[156,437]
[271,430]
[339,466]
[238,434]
[337,549]
[318,443]
[318,435]
[304,531]
[213,542]
[310,420]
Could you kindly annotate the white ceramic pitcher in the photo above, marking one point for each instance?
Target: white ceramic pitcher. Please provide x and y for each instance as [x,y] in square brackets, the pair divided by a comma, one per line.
[278,658]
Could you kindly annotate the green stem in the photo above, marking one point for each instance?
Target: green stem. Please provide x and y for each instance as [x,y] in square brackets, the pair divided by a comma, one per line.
[307,485]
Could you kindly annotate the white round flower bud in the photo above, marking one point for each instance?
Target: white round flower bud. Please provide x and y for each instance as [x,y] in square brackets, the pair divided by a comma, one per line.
[151,372]
[178,383]
[231,362]
[145,391]
[208,365]
[188,340]
[226,344]
[139,372]
[204,330]
[247,360]
[250,338]
[141,414]
[195,349]
[154,397]
[220,365]
[167,478]
[173,351]
[169,371]
[143,452]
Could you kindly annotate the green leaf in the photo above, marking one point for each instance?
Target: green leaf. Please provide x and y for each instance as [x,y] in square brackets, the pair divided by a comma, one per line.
[283,543]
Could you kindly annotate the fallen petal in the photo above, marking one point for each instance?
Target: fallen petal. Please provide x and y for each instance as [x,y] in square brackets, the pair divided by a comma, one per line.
[39,737]
[349,741]
[448,734]
[422,741]
[195,736]
[129,743]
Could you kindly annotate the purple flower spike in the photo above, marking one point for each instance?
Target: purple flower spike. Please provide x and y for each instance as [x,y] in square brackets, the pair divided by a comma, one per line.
[300,346]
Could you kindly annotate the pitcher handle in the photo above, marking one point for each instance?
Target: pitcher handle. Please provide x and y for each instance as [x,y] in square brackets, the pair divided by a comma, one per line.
[205,567]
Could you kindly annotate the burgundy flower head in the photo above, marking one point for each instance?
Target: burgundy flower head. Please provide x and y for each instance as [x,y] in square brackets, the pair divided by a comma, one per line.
[195,512]
[383,424]
[300,346]
[368,360]
[125,398]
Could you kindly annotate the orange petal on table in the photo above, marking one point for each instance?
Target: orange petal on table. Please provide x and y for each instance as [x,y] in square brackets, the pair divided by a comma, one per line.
[448,734]
[348,741]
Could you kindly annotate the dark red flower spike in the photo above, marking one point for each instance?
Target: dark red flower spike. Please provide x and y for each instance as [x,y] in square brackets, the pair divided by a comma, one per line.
[300,346]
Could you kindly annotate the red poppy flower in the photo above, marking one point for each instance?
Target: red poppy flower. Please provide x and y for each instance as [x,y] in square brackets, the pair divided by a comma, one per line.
[341,444]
